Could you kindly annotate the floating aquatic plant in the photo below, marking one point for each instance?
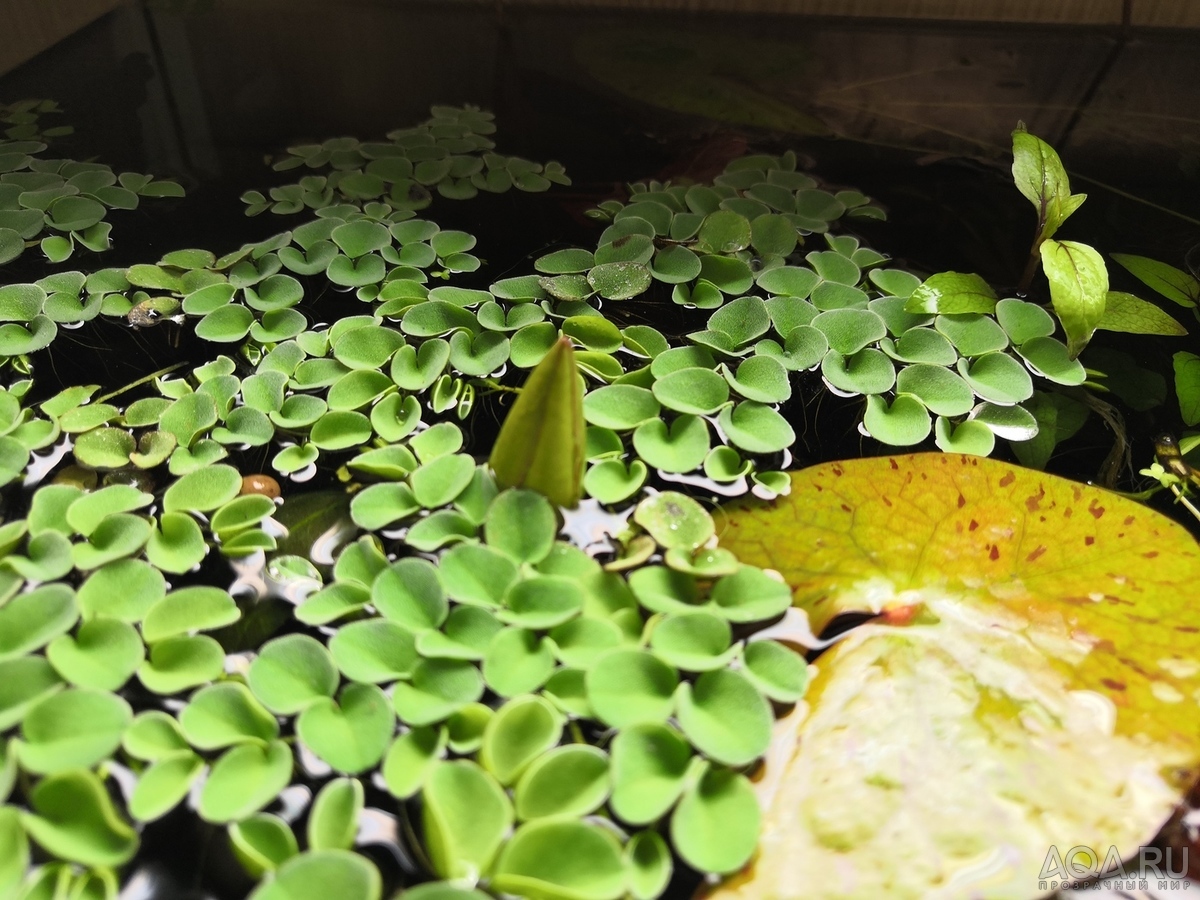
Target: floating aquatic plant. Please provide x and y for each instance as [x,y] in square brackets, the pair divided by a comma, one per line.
[560,725]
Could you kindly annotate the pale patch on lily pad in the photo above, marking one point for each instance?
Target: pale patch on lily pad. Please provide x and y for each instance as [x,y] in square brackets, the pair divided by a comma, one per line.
[1013,697]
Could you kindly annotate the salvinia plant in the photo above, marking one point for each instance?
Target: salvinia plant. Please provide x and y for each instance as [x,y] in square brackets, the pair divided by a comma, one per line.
[423,642]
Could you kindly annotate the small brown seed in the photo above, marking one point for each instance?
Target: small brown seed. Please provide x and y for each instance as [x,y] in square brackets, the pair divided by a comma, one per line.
[260,484]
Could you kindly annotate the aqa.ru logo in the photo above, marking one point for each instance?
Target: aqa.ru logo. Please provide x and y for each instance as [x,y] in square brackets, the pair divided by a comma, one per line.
[1078,867]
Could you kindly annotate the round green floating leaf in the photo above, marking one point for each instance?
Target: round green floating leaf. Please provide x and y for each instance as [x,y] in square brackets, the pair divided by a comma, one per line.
[438,482]
[619,280]
[32,619]
[969,437]
[262,843]
[274,293]
[358,238]
[517,661]
[180,663]
[773,235]
[222,715]
[563,262]
[410,593]
[23,682]
[86,513]
[333,819]
[292,672]
[727,274]
[477,574]
[904,423]
[922,345]
[153,735]
[715,827]
[649,864]
[611,481]
[346,272]
[374,651]
[176,544]
[321,874]
[352,733]
[724,231]
[466,815]
[466,634]
[74,213]
[942,392]
[694,642]
[760,378]
[583,640]
[777,671]
[103,654]
[561,860]
[379,505]
[894,282]
[664,590]
[791,281]
[1013,423]
[74,819]
[650,763]
[16,340]
[725,717]
[1023,321]
[411,758]
[756,428]
[340,430]
[621,407]
[104,448]
[541,602]
[203,490]
[675,264]
[189,609]
[464,729]
[244,780]
[357,388]
[703,563]
[522,524]
[520,732]
[675,520]
[832,266]
[163,785]
[997,377]
[438,688]
[1049,358]
[566,781]
[225,325]
[693,390]
[869,371]
[627,686]
[850,330]
[73,729]
[14,845]
[972,334]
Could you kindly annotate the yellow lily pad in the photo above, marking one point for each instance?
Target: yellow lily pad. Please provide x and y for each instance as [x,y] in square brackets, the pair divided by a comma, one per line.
[1033,680]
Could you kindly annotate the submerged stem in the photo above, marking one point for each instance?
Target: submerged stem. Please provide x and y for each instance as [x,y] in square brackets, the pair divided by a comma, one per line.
[129,387]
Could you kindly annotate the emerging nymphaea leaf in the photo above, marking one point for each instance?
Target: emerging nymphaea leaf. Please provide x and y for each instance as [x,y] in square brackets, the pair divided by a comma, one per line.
[541,444]
[1078,289]
[1032,683]
[1040,176]
[952,292]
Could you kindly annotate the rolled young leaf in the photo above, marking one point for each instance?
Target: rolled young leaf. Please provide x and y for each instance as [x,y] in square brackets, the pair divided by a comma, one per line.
[541,444]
